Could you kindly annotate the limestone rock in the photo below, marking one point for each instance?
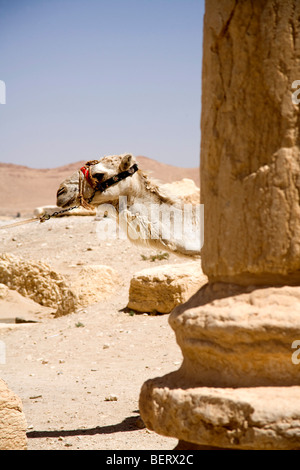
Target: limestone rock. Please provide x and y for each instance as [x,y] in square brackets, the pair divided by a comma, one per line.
[161,288]
[3,291]
[244,339]
[94,283]
[37,281]
[12,420]
[185,189]
[232,337]
[258,418]
[250,158]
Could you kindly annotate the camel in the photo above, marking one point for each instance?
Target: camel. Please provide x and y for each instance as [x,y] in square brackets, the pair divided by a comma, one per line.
[137,203]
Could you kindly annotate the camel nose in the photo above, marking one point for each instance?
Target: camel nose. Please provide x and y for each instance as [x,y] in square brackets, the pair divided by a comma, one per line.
[61,191]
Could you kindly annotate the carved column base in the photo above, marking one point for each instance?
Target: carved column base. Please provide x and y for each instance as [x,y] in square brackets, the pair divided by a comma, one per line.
[239,384]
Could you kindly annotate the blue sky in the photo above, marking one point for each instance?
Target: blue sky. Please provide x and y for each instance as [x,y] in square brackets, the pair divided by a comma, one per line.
[87,78]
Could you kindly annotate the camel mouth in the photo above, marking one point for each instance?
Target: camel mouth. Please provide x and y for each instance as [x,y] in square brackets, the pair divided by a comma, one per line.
[65,204]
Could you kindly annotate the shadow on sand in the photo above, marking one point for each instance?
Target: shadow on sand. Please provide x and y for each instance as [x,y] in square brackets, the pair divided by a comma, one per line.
[128,424]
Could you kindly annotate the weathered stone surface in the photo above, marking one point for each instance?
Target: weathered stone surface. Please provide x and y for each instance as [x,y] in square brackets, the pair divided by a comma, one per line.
[94,283]
[161,288]
[232,337]
[37,281]
[242,340]
[184,189]
[258,418]
[3,291]
[12,420]
[250,159]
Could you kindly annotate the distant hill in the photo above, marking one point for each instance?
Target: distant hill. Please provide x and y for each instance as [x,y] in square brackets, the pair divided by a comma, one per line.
[23,188]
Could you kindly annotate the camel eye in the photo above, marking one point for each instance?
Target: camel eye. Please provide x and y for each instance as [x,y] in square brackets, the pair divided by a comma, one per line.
[99,176]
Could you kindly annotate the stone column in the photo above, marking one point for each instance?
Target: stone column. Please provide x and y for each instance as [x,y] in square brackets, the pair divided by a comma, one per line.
[250,159]
[239,384]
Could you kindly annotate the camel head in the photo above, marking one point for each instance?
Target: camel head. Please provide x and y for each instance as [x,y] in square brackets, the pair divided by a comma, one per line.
[88,184]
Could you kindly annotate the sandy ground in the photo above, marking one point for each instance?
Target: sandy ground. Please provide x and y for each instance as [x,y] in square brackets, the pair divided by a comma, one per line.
[66,369]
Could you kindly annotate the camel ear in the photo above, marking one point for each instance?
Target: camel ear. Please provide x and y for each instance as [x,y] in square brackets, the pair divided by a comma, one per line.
[126,162]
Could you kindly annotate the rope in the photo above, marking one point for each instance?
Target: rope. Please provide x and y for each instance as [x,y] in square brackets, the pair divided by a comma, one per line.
[41,219]
[34,219]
